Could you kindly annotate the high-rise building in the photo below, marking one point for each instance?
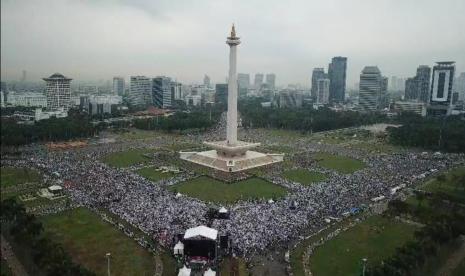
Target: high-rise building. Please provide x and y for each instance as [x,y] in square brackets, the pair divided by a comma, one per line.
[118,86]
[337,76]
[371,86]
[140,91]
[271,80]
[322,95]
[243,80]
[161,92]
[58,92]
[423,77]
[221,94]
[24,76]
[4,89]
[206,81]
[411,91]
[176,91]
[441,89]
[317,74]
[460,86]
[258,81]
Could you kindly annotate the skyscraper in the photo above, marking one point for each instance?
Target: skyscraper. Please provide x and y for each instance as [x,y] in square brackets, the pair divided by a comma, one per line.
[423,76]
[258,81]
[371,85]
[221,94]
[58,92]
[206,81]
[140,91]
[460,86]
[337,76]
[243,80]
[323,91]
[118,86]
[441,88]
[411,91]
[161,92]
[317,74]
[270,80]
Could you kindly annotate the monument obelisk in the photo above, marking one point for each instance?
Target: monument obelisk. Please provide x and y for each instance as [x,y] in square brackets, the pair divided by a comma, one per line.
[231,155]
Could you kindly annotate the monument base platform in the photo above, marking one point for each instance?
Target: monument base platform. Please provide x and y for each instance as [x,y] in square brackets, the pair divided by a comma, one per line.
[249,159]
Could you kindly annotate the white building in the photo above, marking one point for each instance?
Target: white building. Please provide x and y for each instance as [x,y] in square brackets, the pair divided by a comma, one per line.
[440,102]
[118,86]
[58,92]
[140,91]
[194,100]
[410,106]
[371,85]
[27,99]
[322,95]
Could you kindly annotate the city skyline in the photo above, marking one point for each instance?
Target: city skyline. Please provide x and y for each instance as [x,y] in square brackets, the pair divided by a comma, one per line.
[178,42]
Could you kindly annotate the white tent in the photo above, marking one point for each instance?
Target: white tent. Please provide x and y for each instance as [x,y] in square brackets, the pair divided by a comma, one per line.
[271,201]
[184,271]
[209,272]
[178,195]
[202,231]
[55,188]
[179,249]
[223,210]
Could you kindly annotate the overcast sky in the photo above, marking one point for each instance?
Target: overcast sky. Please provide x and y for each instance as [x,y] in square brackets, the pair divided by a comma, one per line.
[92,40]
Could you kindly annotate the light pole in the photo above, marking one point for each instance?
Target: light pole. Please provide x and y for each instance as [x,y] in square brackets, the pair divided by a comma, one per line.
[108,262]
[364,263]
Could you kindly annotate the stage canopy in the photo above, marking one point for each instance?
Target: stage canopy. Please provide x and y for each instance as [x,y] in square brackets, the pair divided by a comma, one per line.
[184,271]
[201,231]
[209,272]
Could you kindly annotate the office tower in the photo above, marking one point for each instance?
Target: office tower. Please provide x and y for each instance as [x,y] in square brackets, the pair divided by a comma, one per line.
[176,91]
[243,80]
[422,78]
[118,86]
[24,76]
[221,94]
[322,95]
[58,92]
[460,86]
[270,80]
[258,81]
[317,74]
[290,99]
[371,85]
[441,89]
[206,81]
[140,91]
[337,76]
[161,92]
[411,91]
[4,89]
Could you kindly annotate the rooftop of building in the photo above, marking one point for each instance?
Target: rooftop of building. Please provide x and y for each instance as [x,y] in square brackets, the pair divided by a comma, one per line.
[57,76]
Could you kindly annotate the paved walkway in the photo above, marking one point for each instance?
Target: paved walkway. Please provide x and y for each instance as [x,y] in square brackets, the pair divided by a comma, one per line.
[10,257]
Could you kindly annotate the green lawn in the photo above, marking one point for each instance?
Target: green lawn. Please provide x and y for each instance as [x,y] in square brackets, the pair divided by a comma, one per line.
[339,163]
[87,239]
[151,174]
[304,176]
[375,239]
[450,186]
[14,176]
[127,158]
[212,190]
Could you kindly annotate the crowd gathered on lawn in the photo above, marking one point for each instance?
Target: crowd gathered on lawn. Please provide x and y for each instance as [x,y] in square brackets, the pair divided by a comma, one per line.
[254,225]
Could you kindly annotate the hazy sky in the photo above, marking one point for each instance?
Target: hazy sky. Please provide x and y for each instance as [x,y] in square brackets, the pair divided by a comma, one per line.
[92,40]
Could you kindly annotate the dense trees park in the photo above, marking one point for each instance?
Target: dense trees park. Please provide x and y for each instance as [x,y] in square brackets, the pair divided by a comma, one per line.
[27,232]
[446,134]
[55,129]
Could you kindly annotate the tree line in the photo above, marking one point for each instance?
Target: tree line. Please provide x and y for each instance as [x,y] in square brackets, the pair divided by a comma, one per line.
[28,232]
[444,134]
[54,129]
[302,119]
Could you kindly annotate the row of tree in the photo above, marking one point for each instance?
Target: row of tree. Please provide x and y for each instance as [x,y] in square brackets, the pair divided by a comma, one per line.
[55,129]
[302,119]
[197,119]
[444,134]
[27,231]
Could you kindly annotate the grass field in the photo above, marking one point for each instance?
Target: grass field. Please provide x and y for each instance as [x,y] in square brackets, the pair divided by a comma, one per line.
[87,239]
[127,158]
[14,176]
[304,177]
[212,190]
[339,163]
[153,175]
[450,185]
[375,239]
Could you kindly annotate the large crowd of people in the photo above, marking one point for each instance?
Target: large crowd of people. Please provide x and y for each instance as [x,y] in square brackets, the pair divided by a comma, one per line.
[253,225]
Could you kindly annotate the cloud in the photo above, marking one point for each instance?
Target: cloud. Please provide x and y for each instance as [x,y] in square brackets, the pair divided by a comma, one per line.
[90,40]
